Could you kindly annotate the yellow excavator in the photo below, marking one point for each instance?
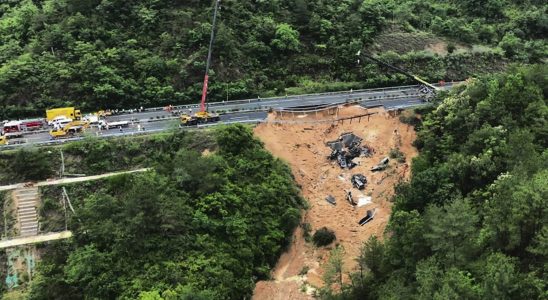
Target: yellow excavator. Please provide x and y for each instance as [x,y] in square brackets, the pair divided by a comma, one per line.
[69,130]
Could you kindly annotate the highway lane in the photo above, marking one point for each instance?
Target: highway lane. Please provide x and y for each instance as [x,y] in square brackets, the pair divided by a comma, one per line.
[402,92]
[156,119]
[139,127]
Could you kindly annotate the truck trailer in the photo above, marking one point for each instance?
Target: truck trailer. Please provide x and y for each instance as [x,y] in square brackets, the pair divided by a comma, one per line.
[69,112]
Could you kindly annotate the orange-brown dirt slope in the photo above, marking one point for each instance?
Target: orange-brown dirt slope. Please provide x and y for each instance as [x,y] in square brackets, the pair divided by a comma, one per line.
[301,142]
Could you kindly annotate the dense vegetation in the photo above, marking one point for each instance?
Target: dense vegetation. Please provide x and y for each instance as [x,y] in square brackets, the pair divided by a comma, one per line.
[100,54]
[473,221]
[97,156]
[198,225]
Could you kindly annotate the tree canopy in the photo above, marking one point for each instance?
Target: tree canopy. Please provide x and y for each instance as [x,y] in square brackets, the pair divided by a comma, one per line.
[206,227]
[102,54]
[472,221]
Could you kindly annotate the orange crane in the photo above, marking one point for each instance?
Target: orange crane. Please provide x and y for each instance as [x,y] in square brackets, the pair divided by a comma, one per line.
[203,116]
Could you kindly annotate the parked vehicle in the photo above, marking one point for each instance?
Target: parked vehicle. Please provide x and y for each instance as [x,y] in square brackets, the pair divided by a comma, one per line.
[13,129]
[92,119]
[33,124]
[59,121]
[110,125]
[67,112]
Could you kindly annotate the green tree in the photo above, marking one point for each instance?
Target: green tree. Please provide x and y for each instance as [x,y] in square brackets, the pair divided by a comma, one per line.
[500,278]
[512,45]
[286,38]
[334,269]
[451,231]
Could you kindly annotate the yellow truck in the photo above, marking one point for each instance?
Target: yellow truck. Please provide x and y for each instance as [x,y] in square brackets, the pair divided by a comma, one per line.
[68,112]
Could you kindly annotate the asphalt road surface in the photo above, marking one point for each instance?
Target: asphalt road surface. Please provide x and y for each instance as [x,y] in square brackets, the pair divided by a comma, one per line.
[166,121]
[396,96]
[248,110]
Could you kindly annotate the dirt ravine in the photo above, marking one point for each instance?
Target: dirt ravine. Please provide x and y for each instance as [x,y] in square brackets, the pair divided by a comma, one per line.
[303,146]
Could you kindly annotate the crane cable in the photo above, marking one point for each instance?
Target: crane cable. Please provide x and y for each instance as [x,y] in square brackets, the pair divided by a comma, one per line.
[208,62]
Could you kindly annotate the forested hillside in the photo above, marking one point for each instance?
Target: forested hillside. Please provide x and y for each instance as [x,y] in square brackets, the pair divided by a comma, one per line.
[208,222]
[473,221]
[101,54]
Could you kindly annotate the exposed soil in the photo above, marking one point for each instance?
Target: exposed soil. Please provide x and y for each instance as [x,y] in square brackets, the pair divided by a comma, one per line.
[402,42]
[303,146]
[439,48]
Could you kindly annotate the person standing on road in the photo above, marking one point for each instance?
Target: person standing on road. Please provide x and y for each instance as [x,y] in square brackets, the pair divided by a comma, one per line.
[121,130]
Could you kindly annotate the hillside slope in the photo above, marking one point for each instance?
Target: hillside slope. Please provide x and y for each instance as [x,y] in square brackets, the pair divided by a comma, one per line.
[124,54]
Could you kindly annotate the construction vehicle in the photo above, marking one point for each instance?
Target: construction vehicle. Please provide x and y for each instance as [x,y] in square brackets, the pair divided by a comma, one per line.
[207,117]
[32,124]
[3,140]
[187,120]
[104,113]
[68,130]
[203,116]
[425,87]
[68,112]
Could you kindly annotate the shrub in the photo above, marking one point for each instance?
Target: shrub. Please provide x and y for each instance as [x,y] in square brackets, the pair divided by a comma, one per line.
[410,119]
[451,47]
[307,228]
[396,154]
[323,237]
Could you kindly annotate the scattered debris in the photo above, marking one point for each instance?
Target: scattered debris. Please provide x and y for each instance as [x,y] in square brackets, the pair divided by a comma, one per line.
[350,198]
[364,201]
[359,181]
[331,199]
[368,217]
[341,159]
[367,151]
[346,148]
[382,165]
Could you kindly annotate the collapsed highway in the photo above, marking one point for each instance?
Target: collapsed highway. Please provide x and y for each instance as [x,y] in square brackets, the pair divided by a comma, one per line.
[157,119]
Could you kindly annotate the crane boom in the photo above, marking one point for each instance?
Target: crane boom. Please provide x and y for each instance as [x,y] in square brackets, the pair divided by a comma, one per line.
[401,71]
[208,62]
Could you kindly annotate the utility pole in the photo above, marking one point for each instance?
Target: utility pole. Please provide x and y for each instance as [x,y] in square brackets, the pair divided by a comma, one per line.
[208,62]
[62,171]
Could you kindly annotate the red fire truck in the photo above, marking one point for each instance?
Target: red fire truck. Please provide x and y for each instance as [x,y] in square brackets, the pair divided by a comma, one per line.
[34,124]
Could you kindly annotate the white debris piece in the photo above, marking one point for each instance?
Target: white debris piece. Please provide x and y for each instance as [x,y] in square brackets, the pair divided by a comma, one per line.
[364,201]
